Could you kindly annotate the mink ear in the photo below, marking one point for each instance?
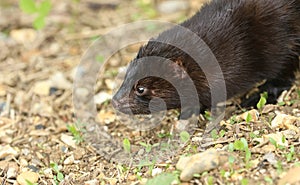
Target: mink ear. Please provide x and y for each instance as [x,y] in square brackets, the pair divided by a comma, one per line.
[179,69]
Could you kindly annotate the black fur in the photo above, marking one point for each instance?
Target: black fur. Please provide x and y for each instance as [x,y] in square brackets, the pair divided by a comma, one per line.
[252,40]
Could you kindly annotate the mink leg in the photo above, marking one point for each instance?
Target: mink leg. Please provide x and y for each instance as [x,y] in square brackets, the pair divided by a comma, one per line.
[273,87]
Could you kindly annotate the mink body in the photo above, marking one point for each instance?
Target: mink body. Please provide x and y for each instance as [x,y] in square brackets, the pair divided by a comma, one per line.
[253,40]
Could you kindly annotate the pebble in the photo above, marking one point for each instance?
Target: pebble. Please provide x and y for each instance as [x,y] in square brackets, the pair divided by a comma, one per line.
[48,173]
[69,160]
[268,108]
[4,138]
[42,88]
[68,140]
[7,150]
[24,36]
[30,176]
[102,97]
[284,121]
[59,81]
[92,182]
[270,157]
[111,84]
[278,137]
[156,171]
[200,162]
[172,6]
[12,172]
[291,177]
[254,115]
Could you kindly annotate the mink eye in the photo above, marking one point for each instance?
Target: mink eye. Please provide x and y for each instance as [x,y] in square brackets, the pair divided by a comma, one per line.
[140,91]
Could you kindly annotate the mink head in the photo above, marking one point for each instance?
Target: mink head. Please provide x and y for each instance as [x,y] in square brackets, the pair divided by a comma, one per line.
[151,83]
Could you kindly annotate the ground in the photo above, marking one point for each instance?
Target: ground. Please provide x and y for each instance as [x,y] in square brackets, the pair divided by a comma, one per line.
[40,129]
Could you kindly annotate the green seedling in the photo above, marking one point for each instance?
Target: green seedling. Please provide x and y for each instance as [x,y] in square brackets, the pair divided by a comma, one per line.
[41,10]
[164,179]
[248,118]
[77,135]
[126,145]
[262,101]
[30,183]
[291,155]
[242,145]
[184,136]
[215,135]
[269,180]
[207,115]
[244,181]
[59,177]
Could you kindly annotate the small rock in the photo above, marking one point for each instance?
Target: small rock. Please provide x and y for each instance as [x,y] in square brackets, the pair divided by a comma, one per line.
[268,108]
[156,171]
[23,162]
[131,177]
[7,150]
[68,140]
[172,6]
[278,137]
[30,176]
[12,172]
[4,138]
[48,173]
[253,113]
[291,177]
[42,108]
[59,81]
[42,88]
[24,36]
[102,97]
[200,162]
[270,157]
[111,84]
[106,117]
[92,182]
[79,153]
[284,121]
[267,148]
[69,160]
[112,181]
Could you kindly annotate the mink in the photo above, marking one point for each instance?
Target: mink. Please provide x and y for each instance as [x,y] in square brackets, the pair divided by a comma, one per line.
[252,40]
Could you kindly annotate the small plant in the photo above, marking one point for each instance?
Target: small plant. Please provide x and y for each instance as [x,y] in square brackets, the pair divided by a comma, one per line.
[279,167]
[77,135]
[242,145]
[210,180]
[184,136]
[59,177]
[291,155]
[126,145]
[269,180]
[207,115]
[30,183]
[274,142]
[215,135]
[148,147]
[41,10]
[248,118]
[262,101]
[164,179]
[244,181]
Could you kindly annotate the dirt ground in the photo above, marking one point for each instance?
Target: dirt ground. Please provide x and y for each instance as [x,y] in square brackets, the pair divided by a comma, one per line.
[41,138]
